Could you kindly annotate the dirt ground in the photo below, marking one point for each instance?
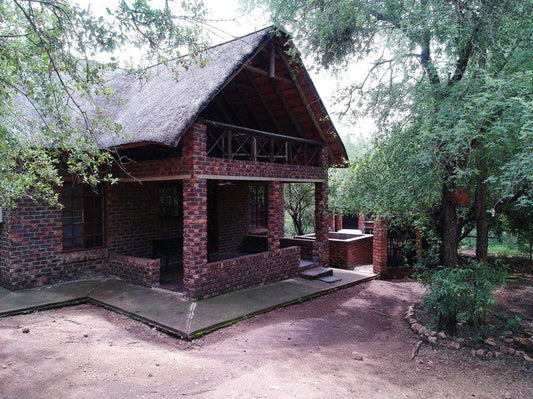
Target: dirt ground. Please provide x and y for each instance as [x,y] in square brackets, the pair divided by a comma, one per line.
[302,351]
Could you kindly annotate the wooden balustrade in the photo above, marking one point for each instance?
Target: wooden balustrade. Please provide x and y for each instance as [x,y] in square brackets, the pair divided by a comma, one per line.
[233,142]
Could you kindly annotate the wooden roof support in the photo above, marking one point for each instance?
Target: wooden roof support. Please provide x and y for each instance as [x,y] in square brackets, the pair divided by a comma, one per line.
[267,74]
[248,108]
[222,109]
[272,62]
[265,104]
[302,96]
[288,110]
[235,114]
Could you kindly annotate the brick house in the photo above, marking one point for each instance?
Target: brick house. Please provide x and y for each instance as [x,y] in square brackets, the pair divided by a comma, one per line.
[198,205]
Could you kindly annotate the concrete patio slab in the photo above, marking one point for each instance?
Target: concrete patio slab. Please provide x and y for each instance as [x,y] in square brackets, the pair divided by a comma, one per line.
[45,297]
[170,311]
[163,309]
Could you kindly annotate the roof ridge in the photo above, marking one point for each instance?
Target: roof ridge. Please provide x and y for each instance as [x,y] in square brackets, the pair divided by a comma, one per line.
[269,28]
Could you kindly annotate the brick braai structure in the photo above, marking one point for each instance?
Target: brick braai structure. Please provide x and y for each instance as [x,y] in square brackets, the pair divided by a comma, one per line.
[183,203]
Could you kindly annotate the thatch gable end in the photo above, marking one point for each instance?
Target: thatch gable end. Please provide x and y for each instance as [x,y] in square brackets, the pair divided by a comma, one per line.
[160,107]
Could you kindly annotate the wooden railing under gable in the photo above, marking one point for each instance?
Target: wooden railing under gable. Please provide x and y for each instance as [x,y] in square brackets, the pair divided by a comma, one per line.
[234,142]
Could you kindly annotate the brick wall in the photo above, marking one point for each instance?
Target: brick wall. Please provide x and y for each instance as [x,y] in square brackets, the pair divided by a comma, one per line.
[133,221]
[135,270]
[306,246]
[194,160]
[254,243]
[247,271]
[350,252]
[380,246]
[232,216]
[36,255]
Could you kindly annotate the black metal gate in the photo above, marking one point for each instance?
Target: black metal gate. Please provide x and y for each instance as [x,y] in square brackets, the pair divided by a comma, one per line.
[401,247]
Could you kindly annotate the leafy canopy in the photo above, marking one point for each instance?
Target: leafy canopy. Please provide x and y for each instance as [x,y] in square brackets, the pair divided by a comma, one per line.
[49,79]
[450,86]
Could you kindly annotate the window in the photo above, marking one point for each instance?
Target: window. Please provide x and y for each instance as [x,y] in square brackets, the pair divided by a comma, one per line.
[83,217]
[170,201]
[257,206]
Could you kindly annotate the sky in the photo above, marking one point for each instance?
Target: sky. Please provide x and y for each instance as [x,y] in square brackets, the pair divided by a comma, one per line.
[226,21]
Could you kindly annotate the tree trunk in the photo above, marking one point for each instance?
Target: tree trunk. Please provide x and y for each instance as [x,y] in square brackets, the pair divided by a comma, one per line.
[482,222]
[449,230]
[298,225]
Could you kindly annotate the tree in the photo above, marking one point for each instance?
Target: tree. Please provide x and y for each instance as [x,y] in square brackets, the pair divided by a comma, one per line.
[49,120]
[451,89]
[299,204]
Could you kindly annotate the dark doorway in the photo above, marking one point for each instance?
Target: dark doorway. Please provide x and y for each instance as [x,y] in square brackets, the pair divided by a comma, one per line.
[350,222]
[212,217]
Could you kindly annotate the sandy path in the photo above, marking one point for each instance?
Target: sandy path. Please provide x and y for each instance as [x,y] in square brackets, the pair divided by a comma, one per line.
[303,351]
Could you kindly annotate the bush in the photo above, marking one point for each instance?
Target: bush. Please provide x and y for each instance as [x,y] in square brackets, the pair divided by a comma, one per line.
[462,293]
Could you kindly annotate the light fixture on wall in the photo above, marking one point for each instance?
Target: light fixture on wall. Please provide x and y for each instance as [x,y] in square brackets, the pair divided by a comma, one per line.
[225,183]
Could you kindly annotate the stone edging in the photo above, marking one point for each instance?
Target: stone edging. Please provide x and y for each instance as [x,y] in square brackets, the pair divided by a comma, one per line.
[434,337]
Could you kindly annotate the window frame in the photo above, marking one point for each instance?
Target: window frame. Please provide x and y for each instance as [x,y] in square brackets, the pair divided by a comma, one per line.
[84,235]
[253,213]
[177,195]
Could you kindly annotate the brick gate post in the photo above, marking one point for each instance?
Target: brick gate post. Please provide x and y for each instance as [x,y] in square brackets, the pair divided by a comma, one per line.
[379,251]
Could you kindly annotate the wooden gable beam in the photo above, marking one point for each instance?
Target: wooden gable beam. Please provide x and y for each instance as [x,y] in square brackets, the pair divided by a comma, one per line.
[286,107]
[248,107]
[264,102]
[222,109]
[304,98]
[233,112]
[262,72]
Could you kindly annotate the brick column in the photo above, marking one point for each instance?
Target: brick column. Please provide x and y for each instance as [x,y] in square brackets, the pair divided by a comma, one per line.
[338,222]
[275,215]
[194,147]
[194,211]
[380,245]
[194,234]
[361,222]
[321,248]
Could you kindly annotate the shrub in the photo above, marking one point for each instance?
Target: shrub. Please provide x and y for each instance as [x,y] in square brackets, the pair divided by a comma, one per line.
[462,293]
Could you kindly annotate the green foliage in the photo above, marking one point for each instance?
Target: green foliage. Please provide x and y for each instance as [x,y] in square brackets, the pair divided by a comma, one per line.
[504,244]
[462,293]
[506,323]
[451,93]
[48,117]
[299,204]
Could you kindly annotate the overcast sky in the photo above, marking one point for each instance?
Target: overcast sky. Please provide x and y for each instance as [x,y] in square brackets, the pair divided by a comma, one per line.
[227,21]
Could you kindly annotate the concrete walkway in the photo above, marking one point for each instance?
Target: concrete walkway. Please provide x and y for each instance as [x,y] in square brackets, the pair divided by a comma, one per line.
[169,311]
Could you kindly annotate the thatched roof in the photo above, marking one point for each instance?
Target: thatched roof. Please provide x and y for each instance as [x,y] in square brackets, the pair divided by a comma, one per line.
[159,106]
[162,107]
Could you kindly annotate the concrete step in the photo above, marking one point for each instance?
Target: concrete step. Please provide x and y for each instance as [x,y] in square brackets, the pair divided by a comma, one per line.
[316,272]
[306,264]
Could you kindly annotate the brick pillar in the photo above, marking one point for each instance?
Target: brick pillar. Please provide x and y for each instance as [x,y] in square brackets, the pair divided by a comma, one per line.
[194,147]
[379,251]
[338,222]
[194,212]
[321,248]
[194,234]
[275,216]
[361,222]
